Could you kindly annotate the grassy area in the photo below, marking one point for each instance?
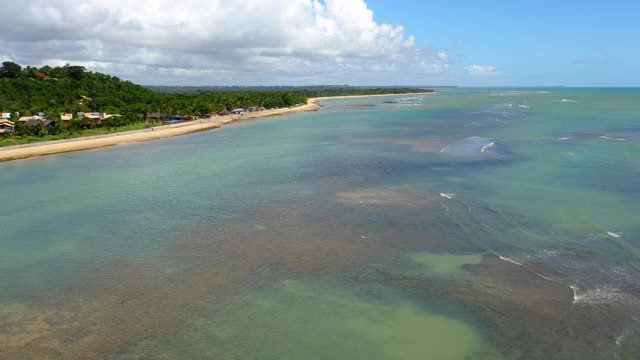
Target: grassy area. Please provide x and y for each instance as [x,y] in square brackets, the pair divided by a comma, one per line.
[21,140]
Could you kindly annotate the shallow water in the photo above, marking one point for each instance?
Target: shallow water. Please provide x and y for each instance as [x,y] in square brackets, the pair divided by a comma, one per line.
[475,223]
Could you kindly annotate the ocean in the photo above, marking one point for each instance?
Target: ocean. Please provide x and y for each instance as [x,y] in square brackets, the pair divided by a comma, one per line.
[469,224]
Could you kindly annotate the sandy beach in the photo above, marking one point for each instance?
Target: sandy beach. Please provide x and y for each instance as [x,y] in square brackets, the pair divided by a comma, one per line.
[160,132]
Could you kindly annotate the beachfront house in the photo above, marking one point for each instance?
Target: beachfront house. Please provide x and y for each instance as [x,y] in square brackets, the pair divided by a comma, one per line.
[35,121]
[26,119]
[238,111]
[156,116]
[114,120]
[94,118]
[94,115]
[6,126]
[181,117]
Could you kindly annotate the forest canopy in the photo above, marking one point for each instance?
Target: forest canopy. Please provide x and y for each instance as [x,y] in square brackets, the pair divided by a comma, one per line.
[71,89]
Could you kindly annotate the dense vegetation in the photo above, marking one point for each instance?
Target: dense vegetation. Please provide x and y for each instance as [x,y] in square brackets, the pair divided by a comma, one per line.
[72,89]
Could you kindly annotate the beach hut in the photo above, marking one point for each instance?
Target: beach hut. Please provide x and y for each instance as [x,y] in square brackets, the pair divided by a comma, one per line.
[94,118]
[238,111]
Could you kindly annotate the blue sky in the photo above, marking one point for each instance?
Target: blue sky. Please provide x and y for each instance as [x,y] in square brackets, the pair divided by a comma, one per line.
[531,42]
[320,42]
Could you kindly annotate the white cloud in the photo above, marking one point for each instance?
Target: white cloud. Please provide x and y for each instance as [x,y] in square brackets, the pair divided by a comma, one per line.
[482,70]
[218,41]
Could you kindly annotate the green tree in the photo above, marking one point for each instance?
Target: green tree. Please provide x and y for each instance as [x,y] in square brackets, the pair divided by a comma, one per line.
[75,126]
[39,130]
[58,128]
[74,72]
[21,129]
[10,70]
[72,89]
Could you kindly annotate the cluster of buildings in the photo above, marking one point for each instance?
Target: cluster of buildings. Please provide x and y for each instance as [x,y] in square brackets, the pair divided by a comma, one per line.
[242,111]
[93,118]
[159,116]
[96,118]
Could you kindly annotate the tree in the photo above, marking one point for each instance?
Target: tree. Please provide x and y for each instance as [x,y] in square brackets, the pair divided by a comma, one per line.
[21,129]
[39,130]
[111,123]
[74,72]
[75,126]
[72,89]
[46,70]
[58,128]
[10,70]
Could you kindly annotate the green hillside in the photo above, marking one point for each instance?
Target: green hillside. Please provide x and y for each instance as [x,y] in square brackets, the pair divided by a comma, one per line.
[51,91]
[72,89]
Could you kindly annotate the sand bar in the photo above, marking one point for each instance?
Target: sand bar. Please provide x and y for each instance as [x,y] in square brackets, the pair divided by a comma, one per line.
[16,152]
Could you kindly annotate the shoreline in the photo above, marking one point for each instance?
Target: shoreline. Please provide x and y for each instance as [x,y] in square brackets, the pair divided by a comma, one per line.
[44,148]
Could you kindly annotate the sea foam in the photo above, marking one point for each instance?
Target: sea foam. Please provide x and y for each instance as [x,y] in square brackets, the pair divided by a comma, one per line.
[602,295]
[486,147]
[610,138]
[510,260]
[472,147]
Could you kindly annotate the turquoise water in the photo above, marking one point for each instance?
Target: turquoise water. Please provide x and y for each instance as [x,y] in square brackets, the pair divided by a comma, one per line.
[470,224]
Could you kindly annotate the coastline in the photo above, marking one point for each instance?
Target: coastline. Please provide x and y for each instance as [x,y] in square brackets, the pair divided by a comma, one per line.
[160,132]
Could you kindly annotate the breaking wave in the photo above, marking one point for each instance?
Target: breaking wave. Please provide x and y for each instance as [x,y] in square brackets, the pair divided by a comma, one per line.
[472,148]
[610,138]
[590,283]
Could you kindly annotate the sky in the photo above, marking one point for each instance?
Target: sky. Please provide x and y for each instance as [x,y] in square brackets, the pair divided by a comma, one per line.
[332,42]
